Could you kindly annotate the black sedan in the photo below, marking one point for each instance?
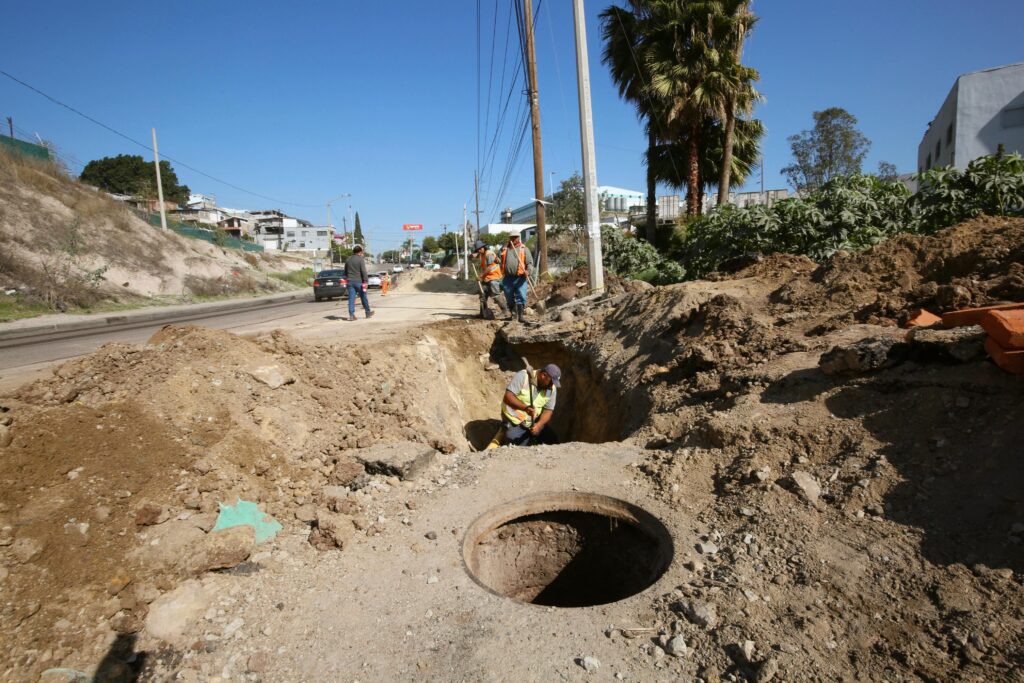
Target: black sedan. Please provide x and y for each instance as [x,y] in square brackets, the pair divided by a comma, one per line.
[329,284]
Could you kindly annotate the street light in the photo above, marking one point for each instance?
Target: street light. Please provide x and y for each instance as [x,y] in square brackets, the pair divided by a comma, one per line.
[551,184]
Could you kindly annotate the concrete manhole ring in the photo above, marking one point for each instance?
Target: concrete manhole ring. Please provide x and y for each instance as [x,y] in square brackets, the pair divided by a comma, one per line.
[567,549]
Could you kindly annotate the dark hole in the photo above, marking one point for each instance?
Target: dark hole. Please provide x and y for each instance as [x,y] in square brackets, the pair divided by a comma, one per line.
[569,559]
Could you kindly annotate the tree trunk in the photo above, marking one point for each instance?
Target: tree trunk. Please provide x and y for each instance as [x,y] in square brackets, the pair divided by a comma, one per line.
[652,188]
[726,176]
[693,172]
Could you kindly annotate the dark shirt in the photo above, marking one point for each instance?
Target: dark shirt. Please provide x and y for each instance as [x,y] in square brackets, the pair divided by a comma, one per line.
[355,269]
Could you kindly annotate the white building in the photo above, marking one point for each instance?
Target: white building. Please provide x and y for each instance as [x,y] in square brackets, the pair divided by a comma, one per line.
[301,236]
[984,109]
[744,200]
[613,200]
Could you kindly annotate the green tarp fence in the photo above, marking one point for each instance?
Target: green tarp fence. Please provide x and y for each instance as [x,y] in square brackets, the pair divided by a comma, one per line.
[219,239]
[25,148]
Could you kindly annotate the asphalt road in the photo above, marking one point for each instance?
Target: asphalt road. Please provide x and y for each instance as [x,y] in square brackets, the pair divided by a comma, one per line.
[20,362]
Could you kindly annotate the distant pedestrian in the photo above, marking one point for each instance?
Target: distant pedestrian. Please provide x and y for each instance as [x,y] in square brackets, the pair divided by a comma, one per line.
[516,264]
[355,273]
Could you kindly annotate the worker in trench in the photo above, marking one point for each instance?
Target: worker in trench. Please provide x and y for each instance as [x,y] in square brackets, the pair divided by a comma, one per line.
[490,281]
[527,407]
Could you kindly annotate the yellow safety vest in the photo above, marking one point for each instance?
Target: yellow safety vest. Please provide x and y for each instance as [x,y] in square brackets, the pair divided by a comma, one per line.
[540,399]
[489,272]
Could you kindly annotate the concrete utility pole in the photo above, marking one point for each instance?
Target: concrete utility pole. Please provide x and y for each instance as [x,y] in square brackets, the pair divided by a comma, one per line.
[159,185]
[10,124]
[538,161]
[476,192]
[594,257]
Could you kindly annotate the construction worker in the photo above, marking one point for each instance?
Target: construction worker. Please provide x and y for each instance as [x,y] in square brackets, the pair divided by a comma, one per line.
[385,283]
[490,277]
[516,264]
[527,407]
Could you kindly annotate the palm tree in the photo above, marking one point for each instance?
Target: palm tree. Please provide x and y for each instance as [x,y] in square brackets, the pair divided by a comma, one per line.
[738,24]
[624,47]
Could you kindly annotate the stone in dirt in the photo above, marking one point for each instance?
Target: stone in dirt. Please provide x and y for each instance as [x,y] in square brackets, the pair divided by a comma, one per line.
[221,549]
[26,549]
[345,472]
[872,353]
[173,615]
[591,664]
[148,513]
[806,485]
[767,671]
[702,614]
[676,646]
[272,376]
[405,459]
[959,345]
[332,530]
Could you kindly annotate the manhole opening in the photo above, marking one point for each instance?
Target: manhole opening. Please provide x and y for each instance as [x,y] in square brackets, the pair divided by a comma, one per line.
[567,550]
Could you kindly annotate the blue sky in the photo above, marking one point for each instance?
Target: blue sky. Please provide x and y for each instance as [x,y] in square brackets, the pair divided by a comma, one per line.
[302,102]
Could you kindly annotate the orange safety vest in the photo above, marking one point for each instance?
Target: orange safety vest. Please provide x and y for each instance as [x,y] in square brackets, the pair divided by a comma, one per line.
[521,254]
[489,272]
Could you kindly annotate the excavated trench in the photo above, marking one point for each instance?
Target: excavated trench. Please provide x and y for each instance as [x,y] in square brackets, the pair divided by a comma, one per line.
[587,410]
[567,550]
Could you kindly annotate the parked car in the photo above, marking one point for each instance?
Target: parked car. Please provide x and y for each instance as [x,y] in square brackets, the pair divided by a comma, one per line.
[397,269]
[373,280]
[329,284]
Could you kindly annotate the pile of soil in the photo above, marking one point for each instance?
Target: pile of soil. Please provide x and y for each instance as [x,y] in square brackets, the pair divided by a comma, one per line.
[171,429]
[977,263]
[573,285]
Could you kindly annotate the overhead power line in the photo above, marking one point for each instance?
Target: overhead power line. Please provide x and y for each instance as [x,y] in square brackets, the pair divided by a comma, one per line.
[146,147]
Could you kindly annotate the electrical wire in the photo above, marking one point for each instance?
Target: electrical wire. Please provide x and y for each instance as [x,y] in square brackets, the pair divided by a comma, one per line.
[147,147]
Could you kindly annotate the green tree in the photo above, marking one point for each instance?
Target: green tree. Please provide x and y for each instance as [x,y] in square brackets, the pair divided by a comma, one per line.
[740,94]
[130,174]
[430,245]
[568,210]
[496,239]
[357,234]
[887,172]
[834,147]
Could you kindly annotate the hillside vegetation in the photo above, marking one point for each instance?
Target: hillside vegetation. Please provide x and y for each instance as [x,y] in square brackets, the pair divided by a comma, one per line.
[66,246]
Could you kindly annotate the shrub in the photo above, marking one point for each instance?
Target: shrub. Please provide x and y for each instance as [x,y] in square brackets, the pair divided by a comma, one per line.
[628,256]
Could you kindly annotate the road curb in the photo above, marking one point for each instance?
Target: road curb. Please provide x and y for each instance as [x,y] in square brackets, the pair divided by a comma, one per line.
[141,317]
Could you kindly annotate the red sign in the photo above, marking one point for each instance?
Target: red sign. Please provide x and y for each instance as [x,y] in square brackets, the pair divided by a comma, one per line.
[412,226]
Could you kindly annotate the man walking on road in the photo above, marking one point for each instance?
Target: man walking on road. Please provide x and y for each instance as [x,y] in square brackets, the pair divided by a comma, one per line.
[516,264]
[355,273]
[490,276]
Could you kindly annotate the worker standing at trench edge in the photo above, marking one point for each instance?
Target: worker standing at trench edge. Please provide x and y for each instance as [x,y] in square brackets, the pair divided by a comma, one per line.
[516,264]
[527,407]
[490,280]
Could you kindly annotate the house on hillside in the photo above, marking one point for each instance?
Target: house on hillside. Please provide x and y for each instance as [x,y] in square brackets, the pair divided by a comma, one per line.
[984,109]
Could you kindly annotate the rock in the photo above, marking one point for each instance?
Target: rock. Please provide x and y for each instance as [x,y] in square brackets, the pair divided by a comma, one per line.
[148,513]
[332,530]
[101,513]
[305,513]
[6,436]
[431,536]
[590,664]
[958,345]
[221,549]
[26,549]
[232,628]
[170,542]
[272,376]
[747,650]
[405,459]
[77,533]
[345,472]
[767,670]
[701,613]
[707,548]
[676,646]
[258,662]
[872,353]
[566,317]
[126,622]
[806,485]
[432,580]
[172,616]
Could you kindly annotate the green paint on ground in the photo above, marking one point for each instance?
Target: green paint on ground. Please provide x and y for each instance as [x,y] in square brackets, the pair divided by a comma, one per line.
[247,513]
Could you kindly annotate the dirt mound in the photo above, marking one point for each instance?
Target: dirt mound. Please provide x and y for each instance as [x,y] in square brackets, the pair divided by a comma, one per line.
[192,419]
[976,263]
[574,285]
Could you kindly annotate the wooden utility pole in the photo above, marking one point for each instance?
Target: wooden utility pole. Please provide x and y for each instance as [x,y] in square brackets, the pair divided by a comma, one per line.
[538,162]
[10,124]
[159,185]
